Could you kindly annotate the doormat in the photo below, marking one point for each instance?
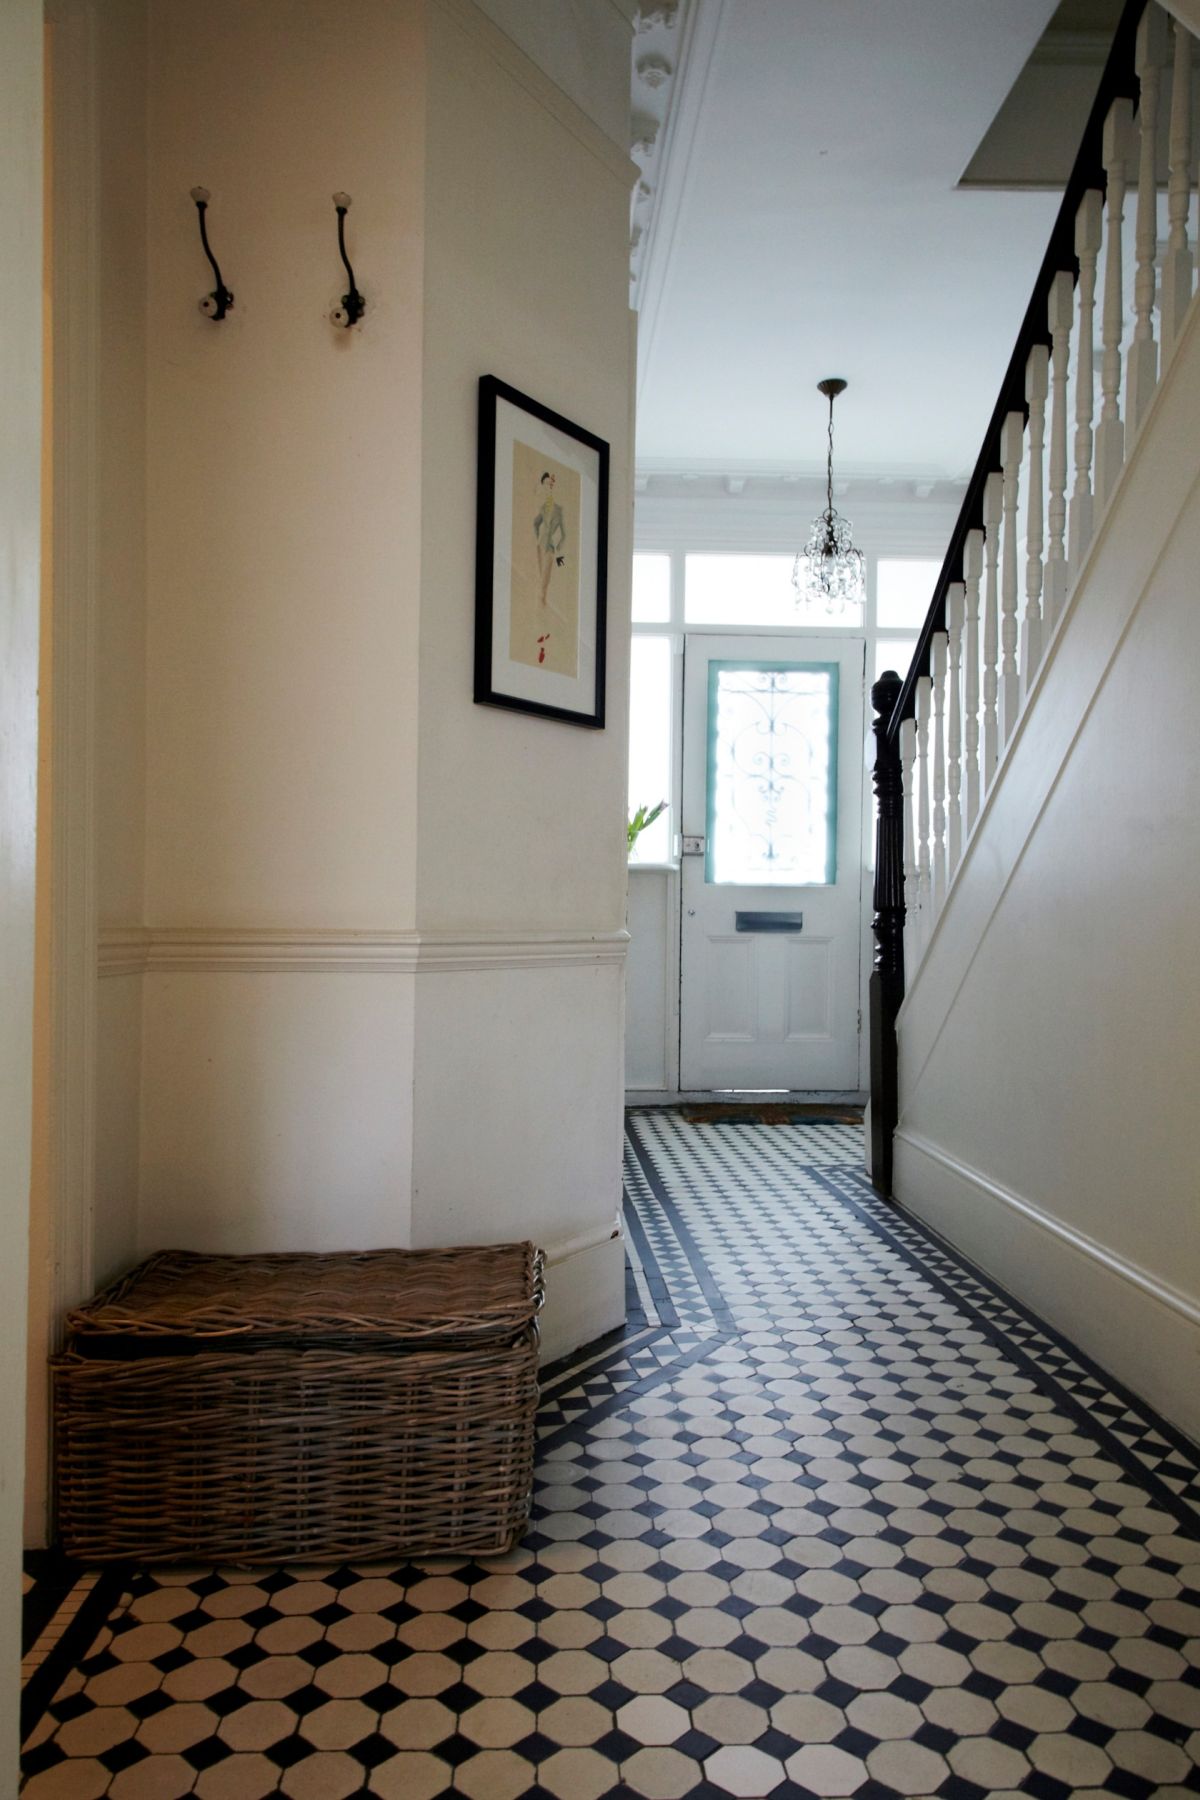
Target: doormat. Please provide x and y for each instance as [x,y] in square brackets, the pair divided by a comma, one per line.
[755,1112]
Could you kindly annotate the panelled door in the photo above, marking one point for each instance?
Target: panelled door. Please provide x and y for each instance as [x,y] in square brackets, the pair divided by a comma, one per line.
[770,941]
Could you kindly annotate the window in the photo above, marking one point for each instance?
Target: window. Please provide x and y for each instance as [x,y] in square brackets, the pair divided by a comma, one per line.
[903,589]
[741,591]
[650,742]
[893,653]
[651,589]
[772,773]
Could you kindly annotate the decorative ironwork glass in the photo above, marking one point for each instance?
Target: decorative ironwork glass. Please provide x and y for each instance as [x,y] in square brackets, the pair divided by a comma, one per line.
[772,774]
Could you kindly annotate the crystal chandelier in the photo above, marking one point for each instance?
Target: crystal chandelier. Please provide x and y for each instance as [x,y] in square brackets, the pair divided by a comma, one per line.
[828,572]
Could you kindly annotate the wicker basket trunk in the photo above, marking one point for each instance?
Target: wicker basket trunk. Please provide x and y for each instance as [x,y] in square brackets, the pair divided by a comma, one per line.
[285,1408]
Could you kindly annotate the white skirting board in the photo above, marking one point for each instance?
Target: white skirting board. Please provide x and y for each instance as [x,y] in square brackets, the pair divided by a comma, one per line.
[1133,1325]
[585,1296]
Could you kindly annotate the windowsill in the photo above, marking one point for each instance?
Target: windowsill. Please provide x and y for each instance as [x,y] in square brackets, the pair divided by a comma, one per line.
[654,868]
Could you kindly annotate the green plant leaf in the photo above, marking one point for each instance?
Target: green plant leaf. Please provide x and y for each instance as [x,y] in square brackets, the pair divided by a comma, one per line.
[644,816]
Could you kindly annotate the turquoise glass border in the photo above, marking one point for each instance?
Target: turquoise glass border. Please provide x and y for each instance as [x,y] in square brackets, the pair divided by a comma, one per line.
[833,670]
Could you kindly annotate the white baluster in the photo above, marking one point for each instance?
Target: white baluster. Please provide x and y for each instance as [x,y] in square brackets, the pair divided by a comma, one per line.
[1142,370]
[938,667]
[972,572]
[993,491]
[1062,302]
[1012,445]
[1177,261]
[924,697]
[1087,249]
[1037,387]
[955,610]
[908,767]
[1110,433]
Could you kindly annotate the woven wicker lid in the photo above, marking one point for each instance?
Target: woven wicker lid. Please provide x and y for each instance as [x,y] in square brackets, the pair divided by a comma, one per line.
[418,1297]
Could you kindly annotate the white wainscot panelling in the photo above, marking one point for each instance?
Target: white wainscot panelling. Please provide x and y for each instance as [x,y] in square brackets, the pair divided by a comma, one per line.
[809,989]
[651,979]
[731,988]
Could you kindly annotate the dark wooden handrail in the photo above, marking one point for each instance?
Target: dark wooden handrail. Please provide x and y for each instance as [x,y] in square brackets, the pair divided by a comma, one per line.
[1119,81]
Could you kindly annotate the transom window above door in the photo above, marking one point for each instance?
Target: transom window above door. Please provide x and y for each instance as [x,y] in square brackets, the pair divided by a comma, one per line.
[749,591]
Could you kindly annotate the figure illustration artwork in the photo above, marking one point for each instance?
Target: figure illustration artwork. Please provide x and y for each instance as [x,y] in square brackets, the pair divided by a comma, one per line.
[541,560]
[544,621]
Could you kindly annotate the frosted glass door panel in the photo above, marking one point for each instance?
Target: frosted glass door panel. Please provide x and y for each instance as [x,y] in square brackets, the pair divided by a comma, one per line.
[772,773]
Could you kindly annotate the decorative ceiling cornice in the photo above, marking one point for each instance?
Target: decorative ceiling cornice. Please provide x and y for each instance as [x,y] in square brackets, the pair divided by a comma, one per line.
[791,486]
[658,34]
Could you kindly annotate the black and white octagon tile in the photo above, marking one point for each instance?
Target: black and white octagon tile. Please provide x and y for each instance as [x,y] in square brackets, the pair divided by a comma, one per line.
[830,1517]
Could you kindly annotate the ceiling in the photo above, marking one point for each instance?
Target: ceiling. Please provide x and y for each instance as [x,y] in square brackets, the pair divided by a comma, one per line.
[801,217]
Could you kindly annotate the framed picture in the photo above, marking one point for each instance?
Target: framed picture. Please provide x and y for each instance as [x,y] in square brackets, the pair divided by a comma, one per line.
[541,566]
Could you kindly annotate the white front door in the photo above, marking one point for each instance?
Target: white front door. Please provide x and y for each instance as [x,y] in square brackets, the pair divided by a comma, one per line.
[773,763]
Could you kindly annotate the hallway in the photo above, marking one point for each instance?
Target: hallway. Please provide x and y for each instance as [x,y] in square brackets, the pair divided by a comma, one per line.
[831,1517]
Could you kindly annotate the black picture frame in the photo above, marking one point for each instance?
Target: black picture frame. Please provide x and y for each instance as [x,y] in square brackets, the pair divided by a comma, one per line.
[541,560]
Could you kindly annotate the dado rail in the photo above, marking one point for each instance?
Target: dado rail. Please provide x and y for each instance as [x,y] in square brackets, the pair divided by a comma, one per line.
[1073,399]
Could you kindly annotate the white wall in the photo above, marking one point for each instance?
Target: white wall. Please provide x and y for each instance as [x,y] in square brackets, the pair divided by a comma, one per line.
[284,464]
[652,981]
[1050,1047]
[20,441]
[584,49]
[117,593]
[519,830]
[380,950]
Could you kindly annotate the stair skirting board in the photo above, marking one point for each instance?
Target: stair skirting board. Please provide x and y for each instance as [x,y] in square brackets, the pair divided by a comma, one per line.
[139,950]
[1151,1285]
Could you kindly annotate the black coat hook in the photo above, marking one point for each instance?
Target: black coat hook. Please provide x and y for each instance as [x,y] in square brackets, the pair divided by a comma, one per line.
[214,306]
[353,305]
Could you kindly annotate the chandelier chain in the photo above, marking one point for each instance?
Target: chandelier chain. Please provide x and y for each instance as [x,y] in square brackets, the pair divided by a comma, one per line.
[828,572]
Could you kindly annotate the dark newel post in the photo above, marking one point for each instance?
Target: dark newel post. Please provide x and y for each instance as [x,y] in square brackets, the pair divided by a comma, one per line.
[887,979]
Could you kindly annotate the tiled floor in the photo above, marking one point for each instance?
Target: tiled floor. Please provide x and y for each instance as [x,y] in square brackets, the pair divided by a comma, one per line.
[831,1518]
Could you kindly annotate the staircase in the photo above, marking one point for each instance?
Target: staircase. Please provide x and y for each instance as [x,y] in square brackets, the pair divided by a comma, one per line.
[1035,1005]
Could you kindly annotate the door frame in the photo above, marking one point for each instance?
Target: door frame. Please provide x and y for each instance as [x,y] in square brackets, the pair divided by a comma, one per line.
[798,640]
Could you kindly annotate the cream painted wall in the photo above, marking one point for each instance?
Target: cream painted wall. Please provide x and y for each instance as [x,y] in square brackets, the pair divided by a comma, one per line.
[120,510]
[284,465]
[1050,1047]
[526,278]
[20,527]
[284,562]
[518,1104]
[318,775]
[118,503]
[583,46]
[518,1072]
[278,1110]
[85,1188]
